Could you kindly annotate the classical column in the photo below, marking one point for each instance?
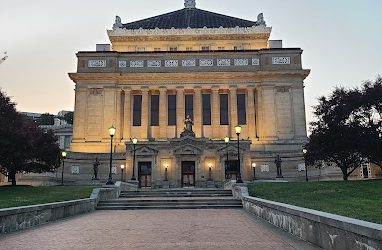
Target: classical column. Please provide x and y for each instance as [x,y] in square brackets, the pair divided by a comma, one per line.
[251,113]
[118,115]
[162,113]
[127,115]
[179,110]
[198,127]
[80,107]
[215,108]
[299,119]
[233,110]
[145,113]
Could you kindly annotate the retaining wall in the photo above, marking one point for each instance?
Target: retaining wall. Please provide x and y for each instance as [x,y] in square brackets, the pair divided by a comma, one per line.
[325,230]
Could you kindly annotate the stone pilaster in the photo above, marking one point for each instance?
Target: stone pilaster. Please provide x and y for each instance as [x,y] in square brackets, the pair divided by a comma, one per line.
[162,113]
[251,113]
[215,108]
[109,111]
[233,109]
[266,113]
[180,109]
[80,114]
[127,115]
[145,114]
[118,115]
[299,112]
[198,127]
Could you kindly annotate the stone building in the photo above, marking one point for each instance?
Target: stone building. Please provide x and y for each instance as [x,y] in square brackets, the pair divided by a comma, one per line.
[221,71]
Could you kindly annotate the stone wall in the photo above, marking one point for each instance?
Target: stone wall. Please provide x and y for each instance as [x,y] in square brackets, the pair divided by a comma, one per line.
[325,230]
[15,219]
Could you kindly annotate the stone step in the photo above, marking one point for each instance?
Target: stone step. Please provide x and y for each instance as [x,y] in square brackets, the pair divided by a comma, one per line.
[155,202]
[177,193]
[173,195]
[178,206]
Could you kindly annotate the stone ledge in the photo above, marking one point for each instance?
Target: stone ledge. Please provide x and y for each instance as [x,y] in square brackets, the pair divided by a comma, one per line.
[322,229]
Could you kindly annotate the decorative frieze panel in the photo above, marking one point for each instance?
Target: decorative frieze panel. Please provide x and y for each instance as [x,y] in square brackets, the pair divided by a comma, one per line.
[122,64]
[136,64]
[189,63]
[255,61]
[264,168]
[171,63]
[206,62]
[224,62]
[95,91]
[75,169]
[241,62]
[97,64]
[154,63]
[281,60]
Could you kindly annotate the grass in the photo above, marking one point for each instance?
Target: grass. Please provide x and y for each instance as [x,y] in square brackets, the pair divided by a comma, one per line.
[356,199]
[27,195]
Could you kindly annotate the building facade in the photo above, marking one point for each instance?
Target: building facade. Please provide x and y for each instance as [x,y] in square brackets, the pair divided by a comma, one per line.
[220,71]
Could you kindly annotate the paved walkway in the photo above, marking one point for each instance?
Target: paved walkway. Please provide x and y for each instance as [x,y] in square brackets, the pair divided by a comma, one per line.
[156,229]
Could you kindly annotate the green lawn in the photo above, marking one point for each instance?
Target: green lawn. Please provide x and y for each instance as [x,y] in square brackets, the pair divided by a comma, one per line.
[357,199]
[26,195]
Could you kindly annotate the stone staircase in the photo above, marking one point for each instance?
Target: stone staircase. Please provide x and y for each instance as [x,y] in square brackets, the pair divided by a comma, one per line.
[172,199]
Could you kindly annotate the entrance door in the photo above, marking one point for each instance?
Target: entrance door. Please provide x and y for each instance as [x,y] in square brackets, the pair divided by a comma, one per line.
[188,173]
[232,170]
[144,174]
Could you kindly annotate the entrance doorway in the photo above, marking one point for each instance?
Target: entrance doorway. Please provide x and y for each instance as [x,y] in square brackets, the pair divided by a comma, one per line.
[144,174]
[232,169]
[188,173]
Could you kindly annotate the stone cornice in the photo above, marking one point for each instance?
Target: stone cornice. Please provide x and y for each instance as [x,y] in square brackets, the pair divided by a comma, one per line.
[187,77]
[189,32]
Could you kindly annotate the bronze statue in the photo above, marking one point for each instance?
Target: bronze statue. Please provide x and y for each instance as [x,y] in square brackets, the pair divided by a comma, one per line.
[95,169]
[278,162]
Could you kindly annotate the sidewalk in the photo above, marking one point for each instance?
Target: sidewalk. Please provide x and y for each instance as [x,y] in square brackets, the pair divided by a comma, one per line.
[156,229]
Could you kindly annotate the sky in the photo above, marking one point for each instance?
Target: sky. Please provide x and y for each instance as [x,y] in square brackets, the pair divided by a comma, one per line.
[341,39]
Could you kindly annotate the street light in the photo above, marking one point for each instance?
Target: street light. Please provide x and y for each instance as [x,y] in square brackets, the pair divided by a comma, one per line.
[63,154]
[254,170]
[122,168]
[210,172]
[305,151]
[226,140]
[111,133]
[165,172]
[238,131]
[135,141]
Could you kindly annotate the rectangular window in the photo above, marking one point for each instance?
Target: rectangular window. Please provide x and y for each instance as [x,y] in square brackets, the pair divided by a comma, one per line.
[189,49]
[141,49]
[220,48]
[206,104]
[224,109]
[157,49]
[241,110]
[189,106]
[205,48]
[237,48]
[173,48]
[137,110]
[171,110]
[154,110]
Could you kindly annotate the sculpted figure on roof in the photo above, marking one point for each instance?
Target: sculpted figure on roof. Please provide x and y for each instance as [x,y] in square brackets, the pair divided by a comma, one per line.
[260,20]
[118,23]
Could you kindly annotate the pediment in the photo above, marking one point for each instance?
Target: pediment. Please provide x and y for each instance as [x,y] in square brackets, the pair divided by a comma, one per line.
[187,149]
[146,150]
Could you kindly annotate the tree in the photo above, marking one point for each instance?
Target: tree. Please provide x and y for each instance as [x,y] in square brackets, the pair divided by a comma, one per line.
[24,147]
[46,119]
[68,117]
[348,128]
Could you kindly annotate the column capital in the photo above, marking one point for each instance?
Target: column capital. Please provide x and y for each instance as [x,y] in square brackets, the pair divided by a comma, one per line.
[162,89]
[232,87]
[127,89]
[145,90]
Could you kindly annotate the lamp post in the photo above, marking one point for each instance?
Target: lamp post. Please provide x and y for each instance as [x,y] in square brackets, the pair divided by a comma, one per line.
[305,151]
[122,168]
[63,154]
[254,171]
[111,133]
[165,172]
[135,141]
[226,140]
[238,131]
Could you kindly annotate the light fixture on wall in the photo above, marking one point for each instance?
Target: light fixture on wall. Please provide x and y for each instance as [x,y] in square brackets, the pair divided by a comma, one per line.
[122,168]
[165,172]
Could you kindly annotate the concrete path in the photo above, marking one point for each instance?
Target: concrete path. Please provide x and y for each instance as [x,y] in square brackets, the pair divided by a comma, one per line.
[156,229]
